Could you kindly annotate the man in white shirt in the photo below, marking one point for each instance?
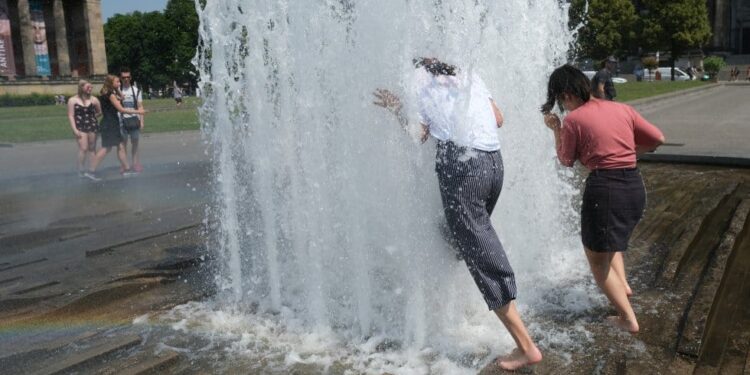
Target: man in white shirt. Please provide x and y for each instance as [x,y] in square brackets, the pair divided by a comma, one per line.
[131,124]
[457,109]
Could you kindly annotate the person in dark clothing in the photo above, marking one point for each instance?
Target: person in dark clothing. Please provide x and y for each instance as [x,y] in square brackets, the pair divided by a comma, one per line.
[110,126]
[602,85]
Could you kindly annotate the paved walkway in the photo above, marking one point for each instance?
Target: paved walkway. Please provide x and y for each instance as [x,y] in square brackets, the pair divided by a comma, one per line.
[37,158]
[710,123]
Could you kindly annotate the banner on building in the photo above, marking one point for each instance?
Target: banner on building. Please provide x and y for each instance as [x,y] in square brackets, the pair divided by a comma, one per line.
[41,52]
[7,59]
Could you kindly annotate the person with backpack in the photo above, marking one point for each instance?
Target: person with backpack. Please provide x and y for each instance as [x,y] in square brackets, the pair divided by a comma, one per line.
[131,123]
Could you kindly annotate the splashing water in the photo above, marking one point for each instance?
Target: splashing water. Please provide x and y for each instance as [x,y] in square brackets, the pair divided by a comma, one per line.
[328,214]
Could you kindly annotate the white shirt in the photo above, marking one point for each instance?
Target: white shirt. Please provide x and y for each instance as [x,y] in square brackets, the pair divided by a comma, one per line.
[457,109]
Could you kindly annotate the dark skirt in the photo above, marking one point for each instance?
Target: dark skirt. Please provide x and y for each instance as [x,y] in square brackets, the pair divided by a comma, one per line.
[111,134]
[613,204]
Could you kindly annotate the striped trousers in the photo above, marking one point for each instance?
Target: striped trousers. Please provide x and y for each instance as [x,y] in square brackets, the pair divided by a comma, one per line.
[470,184]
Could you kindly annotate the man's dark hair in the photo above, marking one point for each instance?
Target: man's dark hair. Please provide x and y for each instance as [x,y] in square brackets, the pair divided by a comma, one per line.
[566,80]
[435,66]
[124,69]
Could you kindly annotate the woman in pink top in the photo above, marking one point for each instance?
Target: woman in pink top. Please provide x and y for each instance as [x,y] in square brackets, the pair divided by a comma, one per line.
[605,137]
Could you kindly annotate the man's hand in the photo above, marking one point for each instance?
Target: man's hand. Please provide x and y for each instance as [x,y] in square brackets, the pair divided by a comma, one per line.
[387,100]
[552,121]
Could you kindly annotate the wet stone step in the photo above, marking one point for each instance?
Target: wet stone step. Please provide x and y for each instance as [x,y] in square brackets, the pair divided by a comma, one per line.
[698,321]
[78,361]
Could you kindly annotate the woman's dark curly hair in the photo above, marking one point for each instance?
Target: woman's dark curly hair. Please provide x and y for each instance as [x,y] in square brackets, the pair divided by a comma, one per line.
[435,66]
[566,80]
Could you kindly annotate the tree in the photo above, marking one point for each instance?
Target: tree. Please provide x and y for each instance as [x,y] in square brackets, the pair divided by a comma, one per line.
[606,26]
[675,26]
[142,42]
[183,19]
[158,47]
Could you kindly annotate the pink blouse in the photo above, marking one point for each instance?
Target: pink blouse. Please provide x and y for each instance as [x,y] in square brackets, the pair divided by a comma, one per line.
[603,135]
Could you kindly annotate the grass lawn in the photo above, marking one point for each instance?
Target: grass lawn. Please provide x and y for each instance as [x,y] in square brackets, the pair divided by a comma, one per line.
[637,90]
[43,123]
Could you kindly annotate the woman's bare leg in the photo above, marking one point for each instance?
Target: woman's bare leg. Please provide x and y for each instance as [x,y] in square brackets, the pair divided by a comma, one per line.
[526,352]
[83,147]
[611,284]
[91,147]
[99,157]
[618,265]
[122,156]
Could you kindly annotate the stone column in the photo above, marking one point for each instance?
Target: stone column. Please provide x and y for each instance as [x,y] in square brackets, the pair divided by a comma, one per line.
[92,13]
[27,38]
[61,38]
[721,17]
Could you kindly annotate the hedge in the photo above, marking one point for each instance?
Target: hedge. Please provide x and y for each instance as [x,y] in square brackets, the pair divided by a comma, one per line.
[9,100]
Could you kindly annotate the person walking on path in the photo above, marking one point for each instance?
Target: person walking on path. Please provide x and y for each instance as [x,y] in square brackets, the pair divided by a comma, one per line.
[457,109]
[110,98]
[83,110]
[131,124]
[605,137]
[177,93]
[602,84]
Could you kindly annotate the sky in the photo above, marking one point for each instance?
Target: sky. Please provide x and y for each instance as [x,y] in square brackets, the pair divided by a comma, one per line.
[110,7]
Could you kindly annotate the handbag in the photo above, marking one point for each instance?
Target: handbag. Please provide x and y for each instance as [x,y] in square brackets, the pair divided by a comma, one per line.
[131,123]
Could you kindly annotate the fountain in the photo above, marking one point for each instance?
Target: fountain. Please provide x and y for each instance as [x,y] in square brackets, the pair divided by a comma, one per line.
[328,216]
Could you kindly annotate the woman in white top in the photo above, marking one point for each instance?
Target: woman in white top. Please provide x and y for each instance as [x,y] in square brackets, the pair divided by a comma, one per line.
[457,109]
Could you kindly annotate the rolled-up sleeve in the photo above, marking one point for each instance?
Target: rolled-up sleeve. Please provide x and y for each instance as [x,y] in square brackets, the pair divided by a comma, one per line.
[646,134]
[567,149]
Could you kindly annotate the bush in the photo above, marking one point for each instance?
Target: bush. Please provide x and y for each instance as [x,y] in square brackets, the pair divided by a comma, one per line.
[713,64]
[9,100]
[650,63]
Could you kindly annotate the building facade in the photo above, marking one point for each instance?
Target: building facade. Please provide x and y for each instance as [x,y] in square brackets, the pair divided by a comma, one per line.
[51,40]
[730,23]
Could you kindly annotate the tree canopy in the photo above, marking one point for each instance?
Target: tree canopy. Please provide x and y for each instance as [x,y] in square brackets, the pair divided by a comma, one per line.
[158,47]
[616,27]
[606,26]
[675,25]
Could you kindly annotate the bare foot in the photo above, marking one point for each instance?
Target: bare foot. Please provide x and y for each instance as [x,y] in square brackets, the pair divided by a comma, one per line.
[630,326]
[517,359]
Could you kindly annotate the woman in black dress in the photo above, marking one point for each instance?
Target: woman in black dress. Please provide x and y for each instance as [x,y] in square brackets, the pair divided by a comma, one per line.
[83,109]
[110,126]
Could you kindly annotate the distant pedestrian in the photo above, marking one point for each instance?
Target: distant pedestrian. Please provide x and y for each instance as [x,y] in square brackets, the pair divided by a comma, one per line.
[131,124]
[602,85]
[690,73]
[110,98]
[83,110]
[177,93]
[747,74]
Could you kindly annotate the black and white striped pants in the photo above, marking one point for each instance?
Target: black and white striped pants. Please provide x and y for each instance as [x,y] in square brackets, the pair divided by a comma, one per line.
[470,184]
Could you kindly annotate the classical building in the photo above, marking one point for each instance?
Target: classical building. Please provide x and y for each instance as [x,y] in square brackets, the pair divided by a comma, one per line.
[50,40]
[730,23]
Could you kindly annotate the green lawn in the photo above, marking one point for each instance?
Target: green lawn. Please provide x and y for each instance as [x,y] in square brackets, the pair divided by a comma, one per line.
[637,90]
[43,123]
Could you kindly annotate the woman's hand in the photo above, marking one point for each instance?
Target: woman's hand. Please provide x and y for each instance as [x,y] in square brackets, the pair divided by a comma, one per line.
[552,121]
[78,134]
[388,100]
